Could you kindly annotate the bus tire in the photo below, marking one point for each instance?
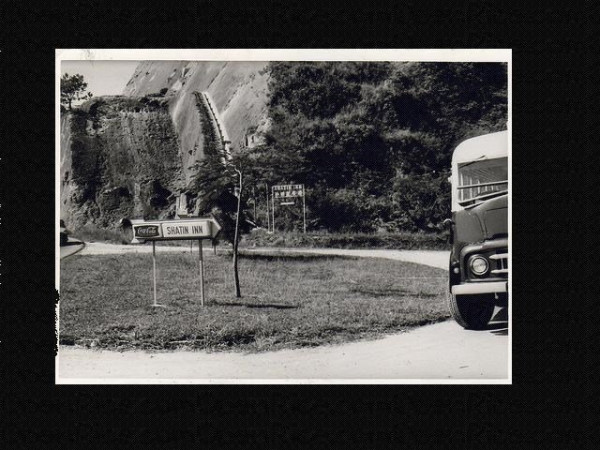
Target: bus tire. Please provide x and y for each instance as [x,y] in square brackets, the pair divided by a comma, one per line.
[472,312]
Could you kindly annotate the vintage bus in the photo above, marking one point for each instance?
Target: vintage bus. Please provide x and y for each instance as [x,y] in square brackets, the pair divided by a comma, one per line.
[478,278]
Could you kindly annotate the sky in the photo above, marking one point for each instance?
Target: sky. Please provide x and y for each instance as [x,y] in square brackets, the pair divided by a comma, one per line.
[102,77]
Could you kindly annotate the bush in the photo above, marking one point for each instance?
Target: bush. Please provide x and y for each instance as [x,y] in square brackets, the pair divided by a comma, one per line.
[91,233]
[373,141]
[348,210]
[421,203]
[396,241]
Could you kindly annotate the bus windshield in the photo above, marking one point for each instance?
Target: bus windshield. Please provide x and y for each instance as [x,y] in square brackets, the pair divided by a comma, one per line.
[479,179]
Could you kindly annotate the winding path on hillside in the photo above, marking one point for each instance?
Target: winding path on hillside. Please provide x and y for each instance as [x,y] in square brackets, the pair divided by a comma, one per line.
[204,98]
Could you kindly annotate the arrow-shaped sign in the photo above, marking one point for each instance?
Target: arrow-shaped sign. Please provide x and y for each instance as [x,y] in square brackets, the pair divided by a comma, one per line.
[164,230]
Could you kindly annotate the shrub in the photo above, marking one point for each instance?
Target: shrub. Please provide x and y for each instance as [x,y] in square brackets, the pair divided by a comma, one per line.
[397,241]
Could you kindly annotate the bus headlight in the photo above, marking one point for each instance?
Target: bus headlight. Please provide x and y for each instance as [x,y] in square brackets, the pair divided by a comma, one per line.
[478,265]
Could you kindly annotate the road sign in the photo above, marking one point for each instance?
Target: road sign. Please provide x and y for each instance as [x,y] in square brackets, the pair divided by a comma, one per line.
[164,230]
[288,190]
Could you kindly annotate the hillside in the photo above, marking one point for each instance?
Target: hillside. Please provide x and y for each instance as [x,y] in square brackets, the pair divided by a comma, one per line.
[238,90]
[119,158]
[371,142]
[132,155]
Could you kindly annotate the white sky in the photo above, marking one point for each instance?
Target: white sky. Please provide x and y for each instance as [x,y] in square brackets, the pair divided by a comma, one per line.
[107,71]
[102,77]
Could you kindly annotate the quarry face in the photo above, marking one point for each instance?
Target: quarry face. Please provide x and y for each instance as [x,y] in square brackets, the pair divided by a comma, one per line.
[132,155]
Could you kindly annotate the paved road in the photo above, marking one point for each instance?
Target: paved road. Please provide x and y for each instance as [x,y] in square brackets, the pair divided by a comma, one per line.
[437,353]
[432,258]
[432,354]
[100,248]
[70,248]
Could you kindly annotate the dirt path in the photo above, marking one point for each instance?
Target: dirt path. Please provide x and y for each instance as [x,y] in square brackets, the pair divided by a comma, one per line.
[437,353]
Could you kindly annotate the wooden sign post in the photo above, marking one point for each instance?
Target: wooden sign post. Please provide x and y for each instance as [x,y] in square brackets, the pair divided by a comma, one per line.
[154,304]
[201,264]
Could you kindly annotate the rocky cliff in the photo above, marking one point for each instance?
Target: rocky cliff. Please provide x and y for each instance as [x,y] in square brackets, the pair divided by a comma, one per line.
[238,90]
[132,155]
[119,157]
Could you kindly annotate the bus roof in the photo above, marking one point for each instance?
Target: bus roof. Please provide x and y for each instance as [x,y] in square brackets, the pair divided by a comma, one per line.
[488,146]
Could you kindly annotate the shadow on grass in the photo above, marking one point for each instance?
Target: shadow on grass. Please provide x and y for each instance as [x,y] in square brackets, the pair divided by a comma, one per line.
[254,305]
[291,257]
[389,292]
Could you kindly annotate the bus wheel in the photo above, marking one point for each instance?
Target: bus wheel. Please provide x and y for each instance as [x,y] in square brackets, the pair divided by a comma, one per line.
[472,312]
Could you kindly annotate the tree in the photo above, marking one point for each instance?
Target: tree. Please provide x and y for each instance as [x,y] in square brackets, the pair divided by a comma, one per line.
[421,202]
[219,184]
[348,128]
[236,239]
[73,87]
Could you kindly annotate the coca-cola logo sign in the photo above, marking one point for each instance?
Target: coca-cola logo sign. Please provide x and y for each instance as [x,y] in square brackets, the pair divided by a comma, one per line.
[147,231]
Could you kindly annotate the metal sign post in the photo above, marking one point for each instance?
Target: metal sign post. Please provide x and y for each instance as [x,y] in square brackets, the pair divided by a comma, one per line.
[268,212]
[304,209]
[254,203]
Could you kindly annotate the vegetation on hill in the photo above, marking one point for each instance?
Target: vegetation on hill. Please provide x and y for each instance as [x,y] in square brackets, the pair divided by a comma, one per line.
[372,142]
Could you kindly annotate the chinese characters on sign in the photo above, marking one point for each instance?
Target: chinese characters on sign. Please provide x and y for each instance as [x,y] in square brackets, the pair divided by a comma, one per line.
[288,190]
[285,191]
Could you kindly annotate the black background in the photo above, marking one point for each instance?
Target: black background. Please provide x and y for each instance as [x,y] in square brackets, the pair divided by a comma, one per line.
[547,404]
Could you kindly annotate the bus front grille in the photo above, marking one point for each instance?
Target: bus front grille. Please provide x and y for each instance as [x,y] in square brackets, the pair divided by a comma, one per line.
[501,264]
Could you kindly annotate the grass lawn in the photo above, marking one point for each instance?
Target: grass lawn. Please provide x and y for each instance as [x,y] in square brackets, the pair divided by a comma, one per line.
[287,301]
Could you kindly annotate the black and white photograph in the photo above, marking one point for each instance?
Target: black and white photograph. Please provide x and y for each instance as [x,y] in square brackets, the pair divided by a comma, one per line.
[308,216]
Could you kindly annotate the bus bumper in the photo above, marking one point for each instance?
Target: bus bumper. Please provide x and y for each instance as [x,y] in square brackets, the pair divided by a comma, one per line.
[480,288]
